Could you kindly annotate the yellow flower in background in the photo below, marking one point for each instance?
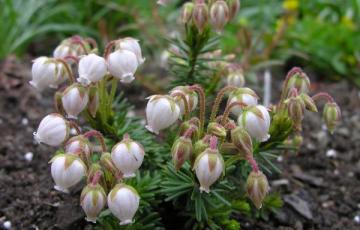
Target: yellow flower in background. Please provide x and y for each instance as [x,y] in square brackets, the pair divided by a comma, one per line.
[291,5]
[348,22]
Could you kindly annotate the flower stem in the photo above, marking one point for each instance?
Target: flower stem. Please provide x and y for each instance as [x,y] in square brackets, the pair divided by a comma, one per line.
[218,100]
[92,42]
[96,178]
[186,104]
[108,48]
[67,69]
[189,132]
[323,95]
[78,40]
[213,142]
[228,109]
[253,163]
[98,136]
[201,93]
[71,57]
[75,126]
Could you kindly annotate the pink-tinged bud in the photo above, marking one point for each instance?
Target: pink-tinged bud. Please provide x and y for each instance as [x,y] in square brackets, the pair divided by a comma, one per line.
[256,121]
[190,95]
[79,145]
[187,12]
[332,115]
[193,123]
[257,187]
[74,100]
[92,200]
[123,64]
[67,170]
[93,103]
[161,112]
[234,7]
[242,141]
[128,156]
[92,68]
[209,166]
[200,147]
[200,15]
[69,48]
[216,129]
[46,73]
[219,15]
[297,79]
[53,130]
[181,151]
[235,77]
[132,45]
[296,110]
[123,202]
[309,102]
[245,96]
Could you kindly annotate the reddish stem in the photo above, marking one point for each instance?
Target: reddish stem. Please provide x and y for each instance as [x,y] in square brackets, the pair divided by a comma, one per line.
[78,40]
[189,132]
[323,95]
[72,57]
[218,100]
[186,104]
[213,142]
[96,178]
[201,93]
[228,109]
[75,126]
[108,48]
[253,163]
[67,69]
[98,136]
[92,42]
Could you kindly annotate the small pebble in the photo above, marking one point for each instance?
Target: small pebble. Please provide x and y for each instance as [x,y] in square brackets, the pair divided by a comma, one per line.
[279,159]
[24,121]
[331,153]
[7,224]
[357,219]
[28,156]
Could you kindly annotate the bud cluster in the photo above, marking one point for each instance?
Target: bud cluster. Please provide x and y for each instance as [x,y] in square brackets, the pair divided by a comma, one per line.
[85,94]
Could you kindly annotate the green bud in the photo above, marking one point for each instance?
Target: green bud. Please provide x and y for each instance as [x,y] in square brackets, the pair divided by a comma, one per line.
[309,102]
[297,79]
[199,147]
[296,109]
[187,11]
[181,151]
[216,129]
[257,187]
[332,115]
[242,140]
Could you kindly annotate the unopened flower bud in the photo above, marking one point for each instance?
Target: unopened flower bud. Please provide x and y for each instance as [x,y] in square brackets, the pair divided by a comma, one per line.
[127,156]
[200,15]
[107,162]
[309,102]
[190,95]
[332,115]
[219,15]
[92,68]
[69,48]
[242,140]
[74,100]
[235,77]
[161,112]
[216,129]
[67,170]
[131,44]
[257,187]
[92,200]
[234,7]
[193,123]
[181,151]
[296,109]
[299,80]
[46,72]
[123,64]
[209,166]
[123,202]
[53,130]
[93,103]
[256,121]
[245,96]
[79,145]
[186,12]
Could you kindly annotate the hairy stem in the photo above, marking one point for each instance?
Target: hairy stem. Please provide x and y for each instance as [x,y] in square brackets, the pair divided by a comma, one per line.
[96,178]
[98,136]
[201,93]
[218,100]
[213,142]
[228,109]
[323,95]
[253,163]
[67,69]
[186,104]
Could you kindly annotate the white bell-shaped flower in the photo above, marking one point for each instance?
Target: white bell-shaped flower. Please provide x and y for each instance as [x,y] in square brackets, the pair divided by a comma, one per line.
[53,130]
[244,95]
[132,44]
[122,64]
[92,200]
[190,95]
[67,170]
[256,121]
[123,202]
[92,68]
[209,166]
[161,112]
[46,73]
[68,48]
[127,156]
[74,100]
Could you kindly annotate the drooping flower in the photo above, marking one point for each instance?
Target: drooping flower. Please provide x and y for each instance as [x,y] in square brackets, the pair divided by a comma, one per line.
[74,100]
[53,130]
[332,115]
[200,15]
[257,187]
[92,68]
[122,64]
[161,112]
[234,7]
[79,145]
[186,12]
[181,151]
[128,156]
[235,77]
[92,200]
[131,44]
[69,47]
[219,15]
[244,95]
[256,121]
[123,202]
[67,170]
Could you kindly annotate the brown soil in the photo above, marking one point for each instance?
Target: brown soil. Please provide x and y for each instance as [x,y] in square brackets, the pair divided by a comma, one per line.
[329,186]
